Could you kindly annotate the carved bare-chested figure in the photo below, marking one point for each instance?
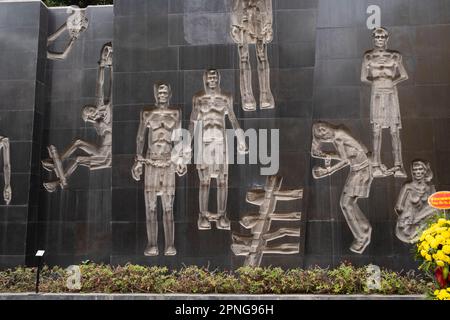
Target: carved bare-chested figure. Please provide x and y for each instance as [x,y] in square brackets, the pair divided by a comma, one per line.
[349,152]
[99,157]
[383,69]
[251,23]
[4,146]
[162,160]
[76,24]
[210,107]
[412,205]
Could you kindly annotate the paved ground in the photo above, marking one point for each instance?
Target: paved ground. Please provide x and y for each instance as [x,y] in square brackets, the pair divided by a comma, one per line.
[51,296]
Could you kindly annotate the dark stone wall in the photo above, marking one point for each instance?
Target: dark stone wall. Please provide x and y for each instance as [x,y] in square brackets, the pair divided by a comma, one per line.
[160,40]
[22,90]
[74,224]
[419,30]
[315,63]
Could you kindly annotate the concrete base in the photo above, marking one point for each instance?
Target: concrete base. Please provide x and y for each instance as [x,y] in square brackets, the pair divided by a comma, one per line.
[197,297]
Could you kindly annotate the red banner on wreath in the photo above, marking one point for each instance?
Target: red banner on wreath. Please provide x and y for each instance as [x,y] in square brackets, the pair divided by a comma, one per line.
[440,200]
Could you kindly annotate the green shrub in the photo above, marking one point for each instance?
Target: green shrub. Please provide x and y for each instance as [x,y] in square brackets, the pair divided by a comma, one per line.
[100,278]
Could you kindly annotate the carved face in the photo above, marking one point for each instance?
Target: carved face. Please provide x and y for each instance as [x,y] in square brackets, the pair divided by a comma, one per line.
[323,132]
[380,38]
[89,113]
[212,79]
[163,94]
[418,171]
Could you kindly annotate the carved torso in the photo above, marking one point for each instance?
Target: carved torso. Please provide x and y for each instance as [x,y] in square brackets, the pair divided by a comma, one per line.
[382,67]
[252,16]
[417,194]
[161,123]
[212,110]
[354,152]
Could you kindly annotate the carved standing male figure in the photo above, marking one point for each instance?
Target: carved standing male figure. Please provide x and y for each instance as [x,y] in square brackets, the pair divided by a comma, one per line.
[4,146]
[383,69]
[251,23]
[162,160]
[210,107]
[349,152]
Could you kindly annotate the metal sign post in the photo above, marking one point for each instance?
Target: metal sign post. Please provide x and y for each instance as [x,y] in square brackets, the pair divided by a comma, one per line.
[39,254]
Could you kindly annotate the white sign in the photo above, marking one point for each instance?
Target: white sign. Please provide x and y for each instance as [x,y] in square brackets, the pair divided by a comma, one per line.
[40,253]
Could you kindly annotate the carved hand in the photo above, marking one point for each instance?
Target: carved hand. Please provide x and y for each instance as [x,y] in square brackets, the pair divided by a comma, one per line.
[236,34]
[268,33]
[136,171]
[181,169]
[319,172]
[7,194]
[242,148]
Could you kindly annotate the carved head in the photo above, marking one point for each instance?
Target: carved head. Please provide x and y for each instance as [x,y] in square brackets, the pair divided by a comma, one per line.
[323,131]
[163,93]
[106,55]
[89,113]
[380,37]
[77,21]
[211,80]
[421,170]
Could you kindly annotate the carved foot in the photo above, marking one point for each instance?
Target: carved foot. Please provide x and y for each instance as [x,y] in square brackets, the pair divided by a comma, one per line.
[358,246]
[399,172]
[248,103]
[267,101]
[170,251]
[151,251]
[380,171]
[223,223]
[48,165]
[51,186]
[203,222]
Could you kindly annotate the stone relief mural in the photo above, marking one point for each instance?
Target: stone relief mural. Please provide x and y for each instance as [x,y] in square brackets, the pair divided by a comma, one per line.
[383,69]
[255,246]
[76,24]
[207,126]
[4,146]
[162,160]
[251,23]
[98,156]
[412,204]
[348,152]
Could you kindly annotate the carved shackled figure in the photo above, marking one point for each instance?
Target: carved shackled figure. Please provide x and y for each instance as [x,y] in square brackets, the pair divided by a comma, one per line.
[99,157]
[75,24]
[4,146]
[349,152]
[162,160]
[383,69]
[412,204]
[251,23]
[209,109]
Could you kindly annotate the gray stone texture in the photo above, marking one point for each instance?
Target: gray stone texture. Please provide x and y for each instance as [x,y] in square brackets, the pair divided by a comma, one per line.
[315,61]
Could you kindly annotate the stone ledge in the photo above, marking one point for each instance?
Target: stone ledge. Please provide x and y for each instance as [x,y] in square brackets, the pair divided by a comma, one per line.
[197,297]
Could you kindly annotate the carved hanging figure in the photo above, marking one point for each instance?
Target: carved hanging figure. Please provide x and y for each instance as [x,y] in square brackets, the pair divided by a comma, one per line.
[4,146]
[251,23]
[349,152]
[99,157]
[210,107]
[75,24]
[412,205]
[383,69]
[162,160]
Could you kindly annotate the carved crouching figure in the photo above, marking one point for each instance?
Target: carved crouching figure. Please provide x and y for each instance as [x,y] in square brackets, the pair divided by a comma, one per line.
[412,205]
[251,23]
[349,152]
[98,157]
[162,160]
[383,69]
[210,107]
